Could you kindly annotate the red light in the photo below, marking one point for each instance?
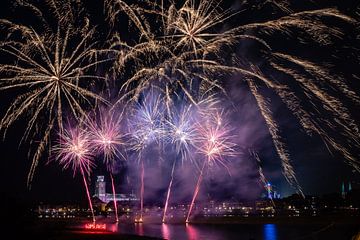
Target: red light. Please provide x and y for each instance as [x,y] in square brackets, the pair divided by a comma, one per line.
[94,226]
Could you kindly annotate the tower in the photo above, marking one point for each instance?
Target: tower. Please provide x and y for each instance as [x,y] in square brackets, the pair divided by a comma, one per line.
[268,189]
[350,188]
[343,193]
[100,188]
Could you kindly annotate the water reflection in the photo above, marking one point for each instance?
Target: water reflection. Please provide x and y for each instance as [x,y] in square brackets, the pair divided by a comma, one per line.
[191,232]
[198,231]
[139,229]
[165,231]
[270,232]
[114,227]
[217,231]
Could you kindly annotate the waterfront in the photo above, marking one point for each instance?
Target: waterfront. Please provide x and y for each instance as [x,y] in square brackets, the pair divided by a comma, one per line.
[240,231]
[107,229]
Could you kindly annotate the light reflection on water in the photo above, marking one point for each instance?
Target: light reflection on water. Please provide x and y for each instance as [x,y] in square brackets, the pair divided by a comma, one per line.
[233,231]
[139,228]
[191,232]
[198,231]
[270,232]
[165,231]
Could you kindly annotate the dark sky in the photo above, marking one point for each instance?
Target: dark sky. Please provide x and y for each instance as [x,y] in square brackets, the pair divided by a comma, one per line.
[318,171]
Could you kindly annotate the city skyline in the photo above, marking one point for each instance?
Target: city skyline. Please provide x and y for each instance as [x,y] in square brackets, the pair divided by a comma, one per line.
[191,111]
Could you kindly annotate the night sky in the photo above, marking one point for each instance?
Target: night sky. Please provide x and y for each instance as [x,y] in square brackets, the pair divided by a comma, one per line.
[318,170]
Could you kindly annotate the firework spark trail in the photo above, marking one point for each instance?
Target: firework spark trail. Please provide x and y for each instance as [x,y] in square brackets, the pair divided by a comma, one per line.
[182,133]
[74,150]
[197,188]
[88,194]
[190,27]
[168,192]
[278,142]
[107,136]
[114,197]
[214,142]
[146,128]
[169,59]
[142,187]
[261,172]
[146,123]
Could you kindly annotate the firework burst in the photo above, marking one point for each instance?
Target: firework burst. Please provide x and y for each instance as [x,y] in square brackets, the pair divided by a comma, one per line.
[50,70]
[182,134]
[214,143]
[146,123]
[74,150]
[214,139]
[107,136]
[190,45]
[192,27]
[146,128]
[185,50]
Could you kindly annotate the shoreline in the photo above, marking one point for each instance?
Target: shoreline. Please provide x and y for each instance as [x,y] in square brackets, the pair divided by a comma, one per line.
[336,219]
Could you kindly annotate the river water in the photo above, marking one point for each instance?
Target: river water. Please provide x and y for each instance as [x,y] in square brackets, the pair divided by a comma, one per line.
[238,231]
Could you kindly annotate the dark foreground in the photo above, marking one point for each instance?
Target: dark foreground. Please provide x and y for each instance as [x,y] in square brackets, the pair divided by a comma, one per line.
[210,229]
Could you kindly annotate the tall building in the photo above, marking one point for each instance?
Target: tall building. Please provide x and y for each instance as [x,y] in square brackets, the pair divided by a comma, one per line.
[272,193]
[343,193]
[100,192]
[268,189]
[100,187]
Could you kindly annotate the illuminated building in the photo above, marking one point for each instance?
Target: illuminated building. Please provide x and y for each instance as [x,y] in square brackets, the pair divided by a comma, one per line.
[100,187]
[268,189]
[343,190]
[100,192]
[271,191]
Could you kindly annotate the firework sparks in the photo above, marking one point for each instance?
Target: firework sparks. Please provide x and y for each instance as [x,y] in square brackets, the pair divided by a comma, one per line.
[53,67]
[114,197]
[182,134]
[182,131]
[107,136]
[214,139]
[214,142]
[192,26]
[181,50]
[142,192]
[146,123]
[187,53]
[74,151]
[197,188]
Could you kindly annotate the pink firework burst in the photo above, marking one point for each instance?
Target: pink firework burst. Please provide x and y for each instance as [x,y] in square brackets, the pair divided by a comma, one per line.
[107,136]
[214,139]
[74,150]
[214,142]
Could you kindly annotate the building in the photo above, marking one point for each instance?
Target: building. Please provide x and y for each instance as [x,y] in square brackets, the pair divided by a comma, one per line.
[344,193]
[100,187]
[100,192]
[271,191]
